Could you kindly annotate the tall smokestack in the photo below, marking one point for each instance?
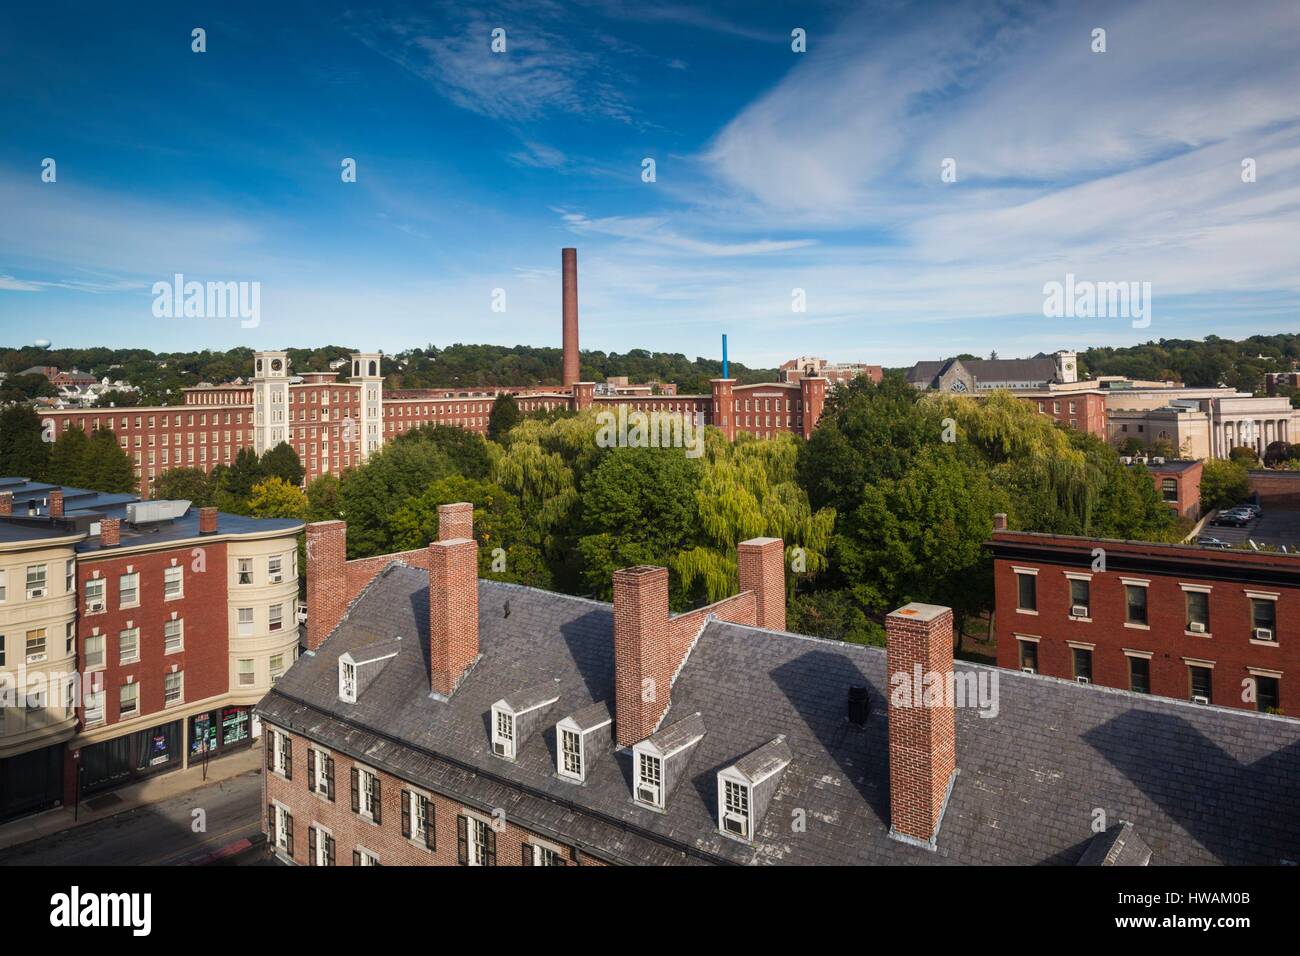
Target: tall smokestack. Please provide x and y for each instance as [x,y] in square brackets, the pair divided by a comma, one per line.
[569,261]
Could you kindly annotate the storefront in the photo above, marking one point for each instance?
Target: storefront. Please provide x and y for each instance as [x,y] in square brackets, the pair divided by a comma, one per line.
[220,731]
[31,782]
[130,757]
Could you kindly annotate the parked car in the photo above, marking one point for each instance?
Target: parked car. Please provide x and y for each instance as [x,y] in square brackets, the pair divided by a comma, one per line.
[1209,541]
[1255,510]
[1234,519]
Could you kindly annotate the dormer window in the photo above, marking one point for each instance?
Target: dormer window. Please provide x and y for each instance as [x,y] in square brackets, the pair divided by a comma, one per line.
[735,808]
[503,734]
[650,780]
[571,754]
[347,682]
[581,738]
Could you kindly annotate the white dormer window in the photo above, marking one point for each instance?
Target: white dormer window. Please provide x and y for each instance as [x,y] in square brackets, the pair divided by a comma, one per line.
[503,734]
[347,682]
[571,754]
[735,809]
[650,780]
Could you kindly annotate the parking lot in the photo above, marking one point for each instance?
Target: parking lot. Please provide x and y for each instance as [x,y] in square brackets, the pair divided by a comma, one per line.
[1276,528]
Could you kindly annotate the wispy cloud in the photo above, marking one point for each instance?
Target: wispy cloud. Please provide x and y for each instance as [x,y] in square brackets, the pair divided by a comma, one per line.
[657,233]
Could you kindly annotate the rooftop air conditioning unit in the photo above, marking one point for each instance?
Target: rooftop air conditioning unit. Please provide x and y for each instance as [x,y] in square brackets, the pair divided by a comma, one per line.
[1196,627]
[1263,634]
[1199,699]
[648,793]
[737,824]
[1079,611]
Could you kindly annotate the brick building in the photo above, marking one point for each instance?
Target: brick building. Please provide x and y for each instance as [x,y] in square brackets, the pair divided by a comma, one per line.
[143,635]
[1179,485]
[1195,624]
[446,720]
[335,425]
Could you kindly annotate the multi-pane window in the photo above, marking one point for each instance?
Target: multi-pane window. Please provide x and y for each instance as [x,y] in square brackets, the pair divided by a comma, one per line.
[544,855]
[348,681]
[70,575]
[482,843]
[505,733]
[69,637]
[275,619]
[274,569]
[650,778]
[322,848]
[1263,619]
[1169,490]
[36,581]
[128,700]
[95,651]
[362,857]
[735,807]
[245,621]
[1267,694]
[366,795]
[1080,596]
[128,589]
[94,595]
[1029,656]
[128,646]
[173,688]
[1198,611]
[1201,683]
[245,570]
[1082,664]
[1139,675]
[173,582]
[417,819]
[277,667]
[95,706]
[1027,592]
[571,748]
[173,636]
[247,673]
[36,645]
[320,769]
[1135,603]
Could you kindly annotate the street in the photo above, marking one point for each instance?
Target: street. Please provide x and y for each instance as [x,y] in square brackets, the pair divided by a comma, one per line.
[157,835]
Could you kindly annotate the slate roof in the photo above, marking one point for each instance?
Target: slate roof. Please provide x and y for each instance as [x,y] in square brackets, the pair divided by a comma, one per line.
[1200,784]
[988,370]
[1118,846]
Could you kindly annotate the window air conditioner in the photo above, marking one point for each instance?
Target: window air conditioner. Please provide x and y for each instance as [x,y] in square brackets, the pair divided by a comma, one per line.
[648,793]
[1079,611]
[1083,680]
[1198,699]
[94,607]
[500,749]
[1028,670]
[1263,634]
[737,824]
[1196,627]
[36,593]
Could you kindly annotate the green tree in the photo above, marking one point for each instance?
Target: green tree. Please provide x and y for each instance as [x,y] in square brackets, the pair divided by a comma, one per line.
[324,498]
[243,475]
[22,452]
[275,498]
[505,416]
[398,472]
[186,484]
[281,462]
[469,453]
[1244,454]
[68,459]
[108,467]
[1223,483]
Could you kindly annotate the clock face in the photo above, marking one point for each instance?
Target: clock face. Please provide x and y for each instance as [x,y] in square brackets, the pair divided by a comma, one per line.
[959,386]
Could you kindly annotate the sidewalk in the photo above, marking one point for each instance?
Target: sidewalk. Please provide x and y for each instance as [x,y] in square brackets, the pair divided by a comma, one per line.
[153,790]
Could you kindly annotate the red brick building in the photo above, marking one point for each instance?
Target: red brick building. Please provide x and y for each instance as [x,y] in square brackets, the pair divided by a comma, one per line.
[1179,485]
[1077,409]
[1210,626]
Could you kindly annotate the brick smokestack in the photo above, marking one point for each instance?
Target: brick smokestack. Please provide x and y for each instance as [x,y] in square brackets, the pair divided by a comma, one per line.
[455,521]
[922,737]
[453,599]
[643,659]
[569,264]
[762,570]
[6,503]
[327,597]
[207,521]
[56,503]
[110,532]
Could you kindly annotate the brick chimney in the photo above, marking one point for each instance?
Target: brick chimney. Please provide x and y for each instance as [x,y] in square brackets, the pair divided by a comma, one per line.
[327,597]
[455,521]
[110,532]
[569,293]
[56,503]
[762,570]
[1000,521]
[207,521]
[922,738]
[453,599]
[643,661]
[6,503]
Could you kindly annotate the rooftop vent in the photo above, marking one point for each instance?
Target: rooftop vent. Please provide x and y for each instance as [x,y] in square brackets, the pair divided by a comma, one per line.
[149,512]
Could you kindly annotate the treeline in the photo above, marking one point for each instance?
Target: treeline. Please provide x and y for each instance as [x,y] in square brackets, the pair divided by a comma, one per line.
[77,460]
[1213,361]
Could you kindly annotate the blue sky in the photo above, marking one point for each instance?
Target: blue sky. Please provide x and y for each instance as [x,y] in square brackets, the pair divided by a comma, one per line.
[775,171]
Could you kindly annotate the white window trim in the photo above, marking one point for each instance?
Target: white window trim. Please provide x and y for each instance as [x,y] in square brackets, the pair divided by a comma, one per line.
[637,780]
[1263,672]
[508,744]
[731,776]
[1081,646]
[1201,588]
[322,846]
[1147,655]
[539,846]
[347,691]
[560,769]
[472,848]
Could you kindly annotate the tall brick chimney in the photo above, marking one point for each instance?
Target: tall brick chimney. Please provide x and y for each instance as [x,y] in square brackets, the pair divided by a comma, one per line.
[569,266]
[207,521]
[455,521]
[1000,521]
[762,570]
[643,660]
[453,599]
[6,503]
[110,532]
[327,598]
[922,737]
[56,503]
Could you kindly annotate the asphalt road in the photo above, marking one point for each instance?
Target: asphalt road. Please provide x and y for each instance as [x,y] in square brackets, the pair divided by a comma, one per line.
[1275,527]
[158,835]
